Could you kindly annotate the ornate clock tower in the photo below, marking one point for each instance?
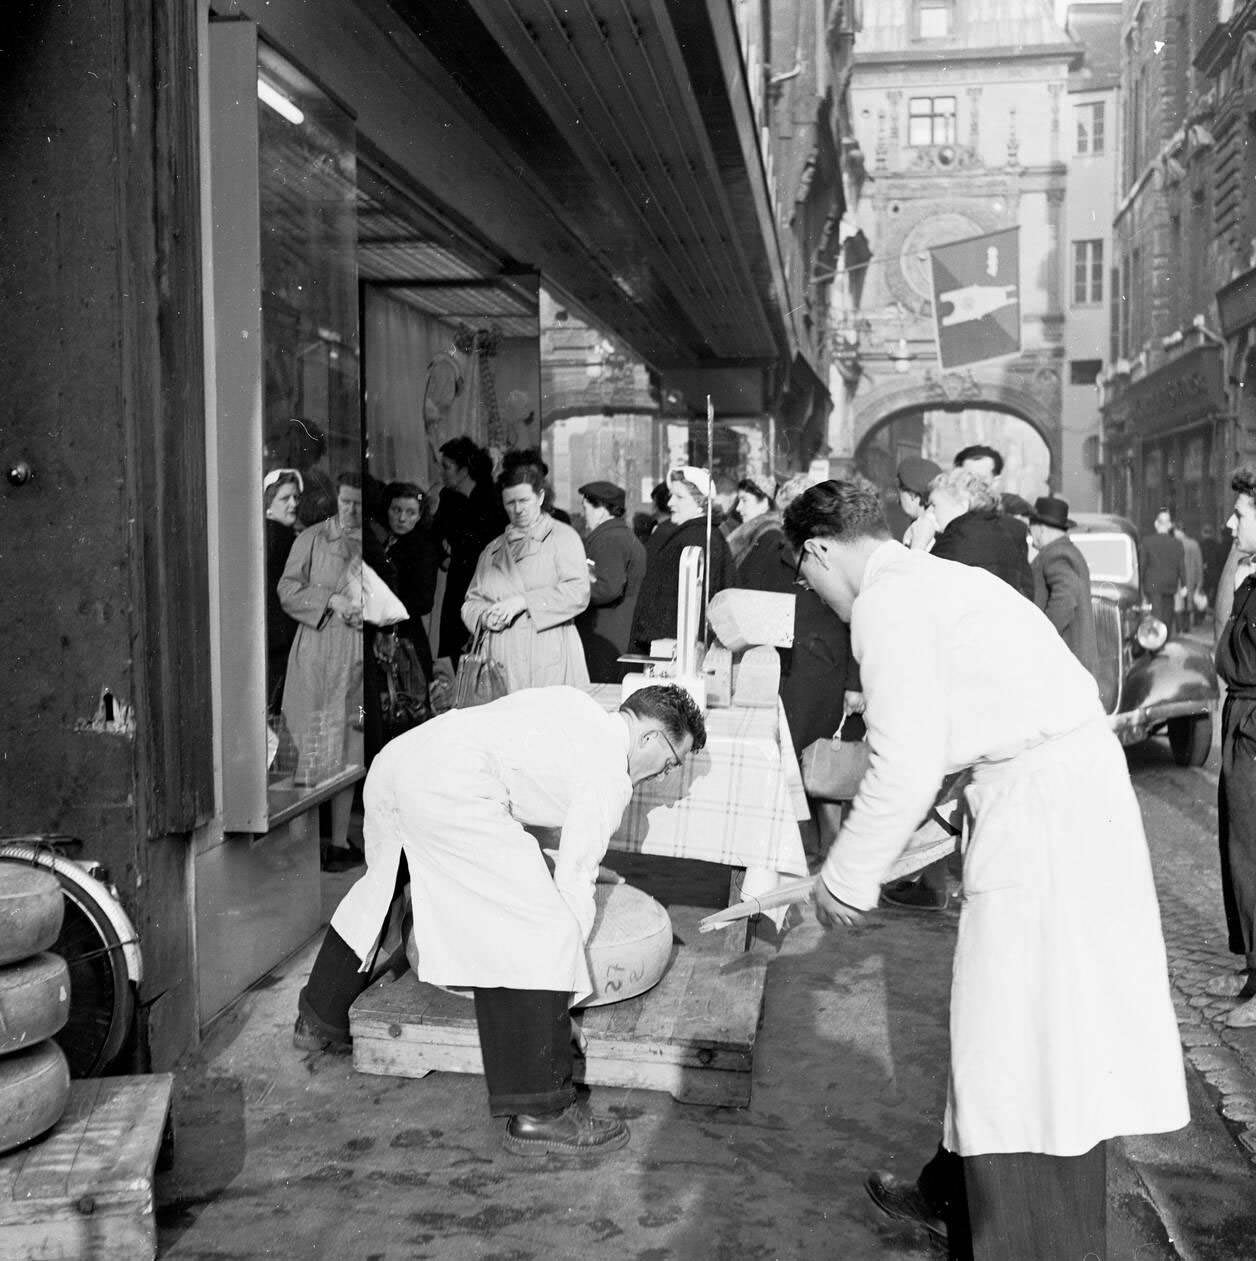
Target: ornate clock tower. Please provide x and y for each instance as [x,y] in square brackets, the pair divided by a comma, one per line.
[957,106]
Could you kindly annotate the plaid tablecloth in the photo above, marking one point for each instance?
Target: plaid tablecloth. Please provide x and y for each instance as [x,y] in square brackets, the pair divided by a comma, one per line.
[737,802]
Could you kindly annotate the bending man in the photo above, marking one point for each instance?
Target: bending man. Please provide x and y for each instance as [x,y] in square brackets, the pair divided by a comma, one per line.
[451,797]
[1062,1029]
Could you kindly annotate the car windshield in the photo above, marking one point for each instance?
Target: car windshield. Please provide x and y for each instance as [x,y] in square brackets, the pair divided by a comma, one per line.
[1111,557]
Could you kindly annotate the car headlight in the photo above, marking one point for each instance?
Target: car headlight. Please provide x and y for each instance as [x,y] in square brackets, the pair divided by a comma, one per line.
[1152,634]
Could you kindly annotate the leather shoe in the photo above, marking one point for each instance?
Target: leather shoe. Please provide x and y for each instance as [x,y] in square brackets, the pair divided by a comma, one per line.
[901,1200]
[306,1038]
[1231,985]
[1242,1017]
[914,895]
[575,1131]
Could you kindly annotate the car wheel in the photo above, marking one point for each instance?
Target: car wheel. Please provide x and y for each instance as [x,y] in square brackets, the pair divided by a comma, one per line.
[1191,739]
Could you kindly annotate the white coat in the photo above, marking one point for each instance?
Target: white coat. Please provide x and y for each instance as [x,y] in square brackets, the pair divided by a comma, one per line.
[1062,1027]
[453,795]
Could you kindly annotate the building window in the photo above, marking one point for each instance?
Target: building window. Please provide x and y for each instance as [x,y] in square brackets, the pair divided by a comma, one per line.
[1087,273]
[935,19]
[930,120]
[1089,128]
[1084,371]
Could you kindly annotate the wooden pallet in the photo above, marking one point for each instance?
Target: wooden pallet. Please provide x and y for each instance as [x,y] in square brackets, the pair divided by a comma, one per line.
[692,1035]
[85,1190]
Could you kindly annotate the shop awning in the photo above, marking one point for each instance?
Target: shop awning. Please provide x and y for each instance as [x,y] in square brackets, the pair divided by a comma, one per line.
[638,139]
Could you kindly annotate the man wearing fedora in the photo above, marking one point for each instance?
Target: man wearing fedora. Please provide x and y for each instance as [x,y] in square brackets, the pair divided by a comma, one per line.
[1062,580]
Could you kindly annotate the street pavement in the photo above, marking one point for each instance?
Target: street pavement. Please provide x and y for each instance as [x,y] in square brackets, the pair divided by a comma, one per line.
[283,1154]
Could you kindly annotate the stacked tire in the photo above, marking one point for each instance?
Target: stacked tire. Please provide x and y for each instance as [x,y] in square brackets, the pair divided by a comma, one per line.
[34,1004]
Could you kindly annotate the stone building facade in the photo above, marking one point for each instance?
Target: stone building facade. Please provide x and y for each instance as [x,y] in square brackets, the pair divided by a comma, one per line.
[961,111]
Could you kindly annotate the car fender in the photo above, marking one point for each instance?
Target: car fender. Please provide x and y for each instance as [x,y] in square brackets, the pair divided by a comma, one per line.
[1180,672]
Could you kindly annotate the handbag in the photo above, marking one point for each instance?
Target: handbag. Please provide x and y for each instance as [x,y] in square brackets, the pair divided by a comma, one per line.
[403,695]
[832,769]
[480,679]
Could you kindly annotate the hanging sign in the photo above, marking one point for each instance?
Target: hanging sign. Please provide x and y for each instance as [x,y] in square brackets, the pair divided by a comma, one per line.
[976,298]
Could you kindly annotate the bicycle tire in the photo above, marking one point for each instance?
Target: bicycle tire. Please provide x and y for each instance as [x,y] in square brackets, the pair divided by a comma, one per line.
[102,994]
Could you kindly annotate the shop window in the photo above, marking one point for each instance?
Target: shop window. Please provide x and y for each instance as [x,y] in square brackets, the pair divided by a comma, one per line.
[1090,123]
[930,120]
[1084,371]
[1087,273]
[289,434]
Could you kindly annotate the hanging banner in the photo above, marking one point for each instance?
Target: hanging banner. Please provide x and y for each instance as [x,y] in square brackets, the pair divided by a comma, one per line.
[976,298]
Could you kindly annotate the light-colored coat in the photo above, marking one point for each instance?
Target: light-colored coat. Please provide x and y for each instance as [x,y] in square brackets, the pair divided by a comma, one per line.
[453,794]
[1062,1027]
[541,647]
[322,695]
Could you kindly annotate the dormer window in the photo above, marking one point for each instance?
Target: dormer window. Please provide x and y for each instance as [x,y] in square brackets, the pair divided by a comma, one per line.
[935,19]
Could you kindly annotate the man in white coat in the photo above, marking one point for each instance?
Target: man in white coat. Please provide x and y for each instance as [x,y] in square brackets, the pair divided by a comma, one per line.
[448,801]
[1062,1028]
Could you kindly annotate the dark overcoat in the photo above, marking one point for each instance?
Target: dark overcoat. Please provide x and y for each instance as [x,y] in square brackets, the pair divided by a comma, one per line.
[1062,592]
[655,617]
[618,571]
[983,538]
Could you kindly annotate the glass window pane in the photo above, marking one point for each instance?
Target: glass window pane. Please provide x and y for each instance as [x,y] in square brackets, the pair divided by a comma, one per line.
[934,20]
[312,434]
[919,131]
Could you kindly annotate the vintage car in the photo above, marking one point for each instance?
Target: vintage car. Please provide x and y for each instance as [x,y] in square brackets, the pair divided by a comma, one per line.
[1148,680]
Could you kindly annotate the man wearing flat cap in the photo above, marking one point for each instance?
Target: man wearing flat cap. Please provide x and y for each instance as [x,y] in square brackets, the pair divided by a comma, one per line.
[616,568]
[1062,580]
[914,478]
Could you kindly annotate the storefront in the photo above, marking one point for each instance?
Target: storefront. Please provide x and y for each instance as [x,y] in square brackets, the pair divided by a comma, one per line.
[1165,436]
[1236,305]
[278,248]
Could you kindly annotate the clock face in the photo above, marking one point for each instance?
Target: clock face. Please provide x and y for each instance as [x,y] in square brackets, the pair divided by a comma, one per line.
[939,229]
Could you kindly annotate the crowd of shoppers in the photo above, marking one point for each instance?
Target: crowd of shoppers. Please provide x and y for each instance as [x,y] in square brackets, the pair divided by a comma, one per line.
[973,645]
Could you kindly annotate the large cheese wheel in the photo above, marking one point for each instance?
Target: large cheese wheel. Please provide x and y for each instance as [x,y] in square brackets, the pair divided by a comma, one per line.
[34,1086]
[31,906]
[628,950]
[630,946]
[34,1001]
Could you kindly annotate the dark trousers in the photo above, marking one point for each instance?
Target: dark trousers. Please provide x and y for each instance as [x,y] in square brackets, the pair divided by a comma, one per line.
[1021,1205]
[525,1040]
[1236,828]
[525,1035]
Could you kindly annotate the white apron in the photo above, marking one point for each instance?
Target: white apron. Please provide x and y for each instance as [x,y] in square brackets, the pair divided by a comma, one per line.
[486,909]
[1062,1026]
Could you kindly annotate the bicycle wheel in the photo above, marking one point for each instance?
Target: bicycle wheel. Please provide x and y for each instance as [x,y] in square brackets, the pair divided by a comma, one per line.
[102,994]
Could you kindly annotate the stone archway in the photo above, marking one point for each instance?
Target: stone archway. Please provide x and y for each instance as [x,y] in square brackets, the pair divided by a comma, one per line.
[1027,388]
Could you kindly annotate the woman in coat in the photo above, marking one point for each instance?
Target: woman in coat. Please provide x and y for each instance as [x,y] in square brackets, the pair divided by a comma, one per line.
[616,567]
[281,493]
[657,604]
[758,544]
[972,530]
[469,516]
[321,588]
[529,585]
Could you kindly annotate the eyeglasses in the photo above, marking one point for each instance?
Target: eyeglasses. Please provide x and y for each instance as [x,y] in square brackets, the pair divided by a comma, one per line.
[676,760]
[799,580]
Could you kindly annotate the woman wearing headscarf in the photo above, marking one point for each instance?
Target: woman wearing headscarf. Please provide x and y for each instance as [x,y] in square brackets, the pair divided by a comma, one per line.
[529,585]
[758,543]
[657,604]
[281,493]
[321,589]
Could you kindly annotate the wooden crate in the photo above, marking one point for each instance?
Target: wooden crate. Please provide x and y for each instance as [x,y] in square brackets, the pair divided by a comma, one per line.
[85,1190]
[692,1035]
